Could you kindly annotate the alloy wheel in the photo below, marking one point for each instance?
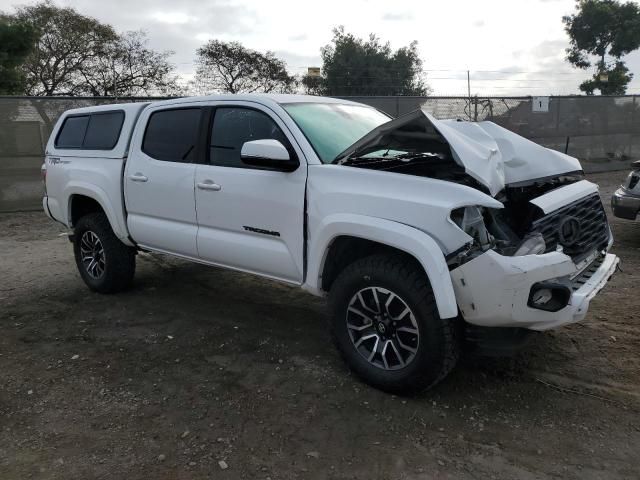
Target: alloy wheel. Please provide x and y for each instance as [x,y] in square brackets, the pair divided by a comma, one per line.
[382,328]
[92,254]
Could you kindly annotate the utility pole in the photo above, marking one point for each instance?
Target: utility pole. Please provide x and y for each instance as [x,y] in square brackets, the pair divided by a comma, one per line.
[469,95]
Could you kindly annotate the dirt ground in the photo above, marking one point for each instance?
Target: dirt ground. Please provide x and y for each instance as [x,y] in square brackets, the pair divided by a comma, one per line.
[197,366]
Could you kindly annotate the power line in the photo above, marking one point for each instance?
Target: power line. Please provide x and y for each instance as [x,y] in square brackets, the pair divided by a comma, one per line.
[426,70]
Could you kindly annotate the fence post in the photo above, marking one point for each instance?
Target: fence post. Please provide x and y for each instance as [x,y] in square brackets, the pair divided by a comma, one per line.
[633,127]
[475,109]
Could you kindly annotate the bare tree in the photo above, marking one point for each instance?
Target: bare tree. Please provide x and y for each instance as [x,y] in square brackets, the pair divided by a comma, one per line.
[230,67]
[78,55]
[128,67]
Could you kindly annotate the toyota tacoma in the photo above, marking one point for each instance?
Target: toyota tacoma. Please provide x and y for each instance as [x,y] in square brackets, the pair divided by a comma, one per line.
[421,232]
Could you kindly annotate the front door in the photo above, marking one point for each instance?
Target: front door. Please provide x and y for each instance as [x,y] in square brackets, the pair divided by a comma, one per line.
[250,219]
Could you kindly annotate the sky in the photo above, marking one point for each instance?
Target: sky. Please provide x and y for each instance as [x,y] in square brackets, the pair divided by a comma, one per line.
[510,47]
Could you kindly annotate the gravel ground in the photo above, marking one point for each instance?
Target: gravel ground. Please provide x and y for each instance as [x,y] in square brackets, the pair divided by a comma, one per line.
[199,372]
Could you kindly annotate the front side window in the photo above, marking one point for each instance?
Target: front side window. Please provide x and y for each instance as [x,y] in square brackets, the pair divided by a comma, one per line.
[332,127]
[96,131]
[172,135]
[232,127]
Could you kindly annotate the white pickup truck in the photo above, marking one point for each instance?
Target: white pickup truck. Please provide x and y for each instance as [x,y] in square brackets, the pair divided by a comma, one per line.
[422,232]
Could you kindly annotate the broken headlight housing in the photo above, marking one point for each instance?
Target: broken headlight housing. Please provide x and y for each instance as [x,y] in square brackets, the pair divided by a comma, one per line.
[490,231]
[532,244]
[471,221]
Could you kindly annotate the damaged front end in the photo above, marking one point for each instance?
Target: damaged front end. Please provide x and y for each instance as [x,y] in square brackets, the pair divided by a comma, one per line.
[536,262]
[535,267]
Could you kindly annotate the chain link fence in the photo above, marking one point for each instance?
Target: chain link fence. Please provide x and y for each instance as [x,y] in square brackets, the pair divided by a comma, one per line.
[603,132]
[25,126]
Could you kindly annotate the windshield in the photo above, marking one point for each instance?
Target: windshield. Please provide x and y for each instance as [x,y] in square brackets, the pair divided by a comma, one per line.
[332,127]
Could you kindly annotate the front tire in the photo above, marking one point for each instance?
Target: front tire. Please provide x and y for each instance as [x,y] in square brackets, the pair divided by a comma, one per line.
[385,323]
[105,263]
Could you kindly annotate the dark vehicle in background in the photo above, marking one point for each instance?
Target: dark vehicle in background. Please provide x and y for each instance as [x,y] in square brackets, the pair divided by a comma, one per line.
[625,202]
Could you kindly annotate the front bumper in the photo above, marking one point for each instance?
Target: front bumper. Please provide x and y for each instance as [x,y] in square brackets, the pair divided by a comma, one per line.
[625,204]
[493,290]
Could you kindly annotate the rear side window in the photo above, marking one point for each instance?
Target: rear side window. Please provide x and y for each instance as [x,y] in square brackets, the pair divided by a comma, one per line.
[97,131]
[103,131]
[72,132]
[171,135]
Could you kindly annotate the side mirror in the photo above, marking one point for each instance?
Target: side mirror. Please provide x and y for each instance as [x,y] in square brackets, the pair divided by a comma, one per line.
[268,154]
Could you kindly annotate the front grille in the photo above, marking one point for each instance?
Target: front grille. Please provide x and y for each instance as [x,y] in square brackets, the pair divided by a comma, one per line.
[593,231]
[586,274]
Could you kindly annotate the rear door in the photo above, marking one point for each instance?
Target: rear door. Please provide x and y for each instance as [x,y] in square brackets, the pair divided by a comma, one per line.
[159,179]
[250,219]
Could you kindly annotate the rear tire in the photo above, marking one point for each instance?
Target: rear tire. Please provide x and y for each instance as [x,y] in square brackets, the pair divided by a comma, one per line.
[385,324]
[105,263]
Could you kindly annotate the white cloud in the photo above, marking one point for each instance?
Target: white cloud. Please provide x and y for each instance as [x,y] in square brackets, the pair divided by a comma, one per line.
[204,37]
[397,16]
[173,17]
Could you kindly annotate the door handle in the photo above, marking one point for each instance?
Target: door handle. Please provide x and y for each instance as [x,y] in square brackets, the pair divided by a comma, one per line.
[138,177]
[209,185]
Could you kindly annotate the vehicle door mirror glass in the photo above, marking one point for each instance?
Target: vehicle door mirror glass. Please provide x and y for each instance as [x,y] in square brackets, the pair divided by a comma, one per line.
[267,153]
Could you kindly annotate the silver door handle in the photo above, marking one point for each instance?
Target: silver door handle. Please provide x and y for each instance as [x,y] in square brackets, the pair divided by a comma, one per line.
[209,185]
[138,177]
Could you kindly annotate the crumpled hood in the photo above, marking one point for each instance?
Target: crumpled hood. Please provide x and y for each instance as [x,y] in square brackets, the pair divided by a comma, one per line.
[489,153]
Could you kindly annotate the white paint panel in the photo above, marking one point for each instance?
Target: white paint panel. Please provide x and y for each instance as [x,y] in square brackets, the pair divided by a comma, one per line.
[403,237]
[164,202]
[248,251]
[257,199]
[493,290]
[423,203]
[497,157]
[254,220]
[562,196]
[166,234]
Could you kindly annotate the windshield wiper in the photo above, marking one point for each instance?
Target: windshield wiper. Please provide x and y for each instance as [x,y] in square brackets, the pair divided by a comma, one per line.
[342,157]
[418,155]
[403,157]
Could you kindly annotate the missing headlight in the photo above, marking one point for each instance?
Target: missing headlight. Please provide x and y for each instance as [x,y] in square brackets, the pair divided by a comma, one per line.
[489,231]
[471,221]
[532,244]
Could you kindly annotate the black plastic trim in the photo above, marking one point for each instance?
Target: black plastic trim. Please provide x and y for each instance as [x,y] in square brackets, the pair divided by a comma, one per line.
[563,290]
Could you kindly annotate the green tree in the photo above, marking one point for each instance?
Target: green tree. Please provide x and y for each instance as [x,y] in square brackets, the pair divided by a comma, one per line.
[601,32]
[230,67]
[68,41]
[354,66]
[16,42]
[611,81]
